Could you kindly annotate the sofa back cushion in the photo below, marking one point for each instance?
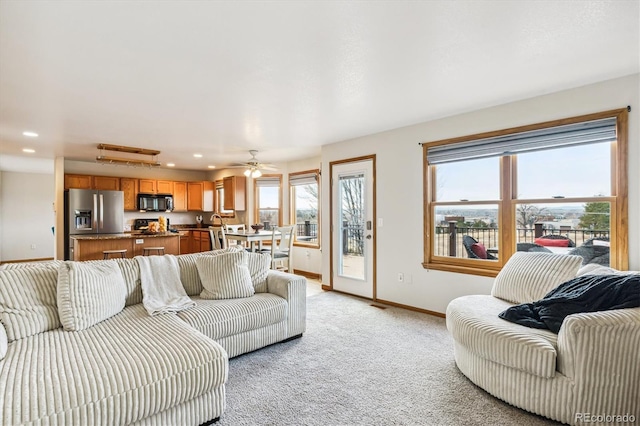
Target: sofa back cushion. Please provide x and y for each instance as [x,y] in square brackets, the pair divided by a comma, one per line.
[21,265]
[259,264]
[28,300]
[189,272]
[89,292]
[131,273]
[528,276]
[226,276]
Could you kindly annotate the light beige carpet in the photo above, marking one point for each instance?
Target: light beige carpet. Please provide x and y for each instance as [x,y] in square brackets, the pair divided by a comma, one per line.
[361,365]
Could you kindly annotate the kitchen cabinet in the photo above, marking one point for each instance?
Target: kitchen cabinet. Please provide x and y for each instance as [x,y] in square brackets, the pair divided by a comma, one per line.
[106,183]
[200,241]
[130,188]
[78,181]
[164,186]
[91,247]
[148,186]
[152,186]
[185,242]
[200,196]
[179,196]
[234,193]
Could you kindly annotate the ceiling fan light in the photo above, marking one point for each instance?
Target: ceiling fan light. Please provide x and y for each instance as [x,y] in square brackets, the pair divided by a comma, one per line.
[256,173]
[247,172]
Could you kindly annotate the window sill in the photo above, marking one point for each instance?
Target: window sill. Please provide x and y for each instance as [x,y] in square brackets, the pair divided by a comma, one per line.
[307,245]
[469,270]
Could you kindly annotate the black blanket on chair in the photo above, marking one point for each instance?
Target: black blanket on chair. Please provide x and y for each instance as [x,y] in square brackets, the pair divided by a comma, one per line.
[587,293]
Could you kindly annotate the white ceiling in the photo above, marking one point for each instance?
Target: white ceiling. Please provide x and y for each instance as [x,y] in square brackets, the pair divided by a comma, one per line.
[220,78]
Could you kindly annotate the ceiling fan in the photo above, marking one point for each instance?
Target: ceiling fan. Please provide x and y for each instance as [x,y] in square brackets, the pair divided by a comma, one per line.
[253,166]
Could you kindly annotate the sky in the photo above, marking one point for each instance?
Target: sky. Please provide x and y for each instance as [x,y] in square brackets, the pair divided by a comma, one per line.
[583,171]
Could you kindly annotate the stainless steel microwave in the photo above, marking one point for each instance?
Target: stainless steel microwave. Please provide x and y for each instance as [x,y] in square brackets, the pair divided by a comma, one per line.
[155,202]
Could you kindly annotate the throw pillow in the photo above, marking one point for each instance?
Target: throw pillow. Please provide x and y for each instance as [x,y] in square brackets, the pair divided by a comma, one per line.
[89,292]
[28,300]
[528,276]
[552,242]
[225,276]
[479,250]
[189,272]
[259,265]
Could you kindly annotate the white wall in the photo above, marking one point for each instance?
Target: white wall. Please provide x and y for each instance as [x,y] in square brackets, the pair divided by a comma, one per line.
[26,216]
[400,196]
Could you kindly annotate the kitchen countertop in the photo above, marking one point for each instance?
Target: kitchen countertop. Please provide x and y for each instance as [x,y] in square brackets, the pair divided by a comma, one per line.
[123,235]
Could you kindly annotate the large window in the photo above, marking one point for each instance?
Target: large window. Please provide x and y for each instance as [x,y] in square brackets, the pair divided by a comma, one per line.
[556,187]
[305,200]
[268,196]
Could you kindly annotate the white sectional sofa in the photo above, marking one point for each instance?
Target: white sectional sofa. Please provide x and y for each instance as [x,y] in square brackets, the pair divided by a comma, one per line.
[590,368]
[132,368]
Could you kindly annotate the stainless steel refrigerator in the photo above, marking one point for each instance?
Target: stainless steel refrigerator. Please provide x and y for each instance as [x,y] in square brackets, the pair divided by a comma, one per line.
[90,211]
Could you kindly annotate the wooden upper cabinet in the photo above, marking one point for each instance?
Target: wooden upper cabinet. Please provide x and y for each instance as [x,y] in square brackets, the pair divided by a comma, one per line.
[200,196]
[106,183]
[130,188]
[179,196]
[148,186]
[208,188]
[164,187]
[195,194]
[234,192]
[78,181]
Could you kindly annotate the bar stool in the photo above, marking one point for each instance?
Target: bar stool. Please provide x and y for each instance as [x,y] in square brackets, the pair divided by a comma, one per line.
[106,254]
[146,251]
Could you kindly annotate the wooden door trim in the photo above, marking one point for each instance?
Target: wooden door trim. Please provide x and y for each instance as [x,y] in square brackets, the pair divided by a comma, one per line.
[371,157]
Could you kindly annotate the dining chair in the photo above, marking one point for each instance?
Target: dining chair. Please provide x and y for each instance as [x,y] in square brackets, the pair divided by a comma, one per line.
[236,227]
[469,242]
[218,237]
[282,247]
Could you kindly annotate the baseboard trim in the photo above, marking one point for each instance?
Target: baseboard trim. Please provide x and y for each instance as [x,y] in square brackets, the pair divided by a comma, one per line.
[386,302]
[42,259]
[411,308]
[306,274]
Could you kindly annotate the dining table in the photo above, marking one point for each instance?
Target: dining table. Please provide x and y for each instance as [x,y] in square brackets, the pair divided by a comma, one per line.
[252,237]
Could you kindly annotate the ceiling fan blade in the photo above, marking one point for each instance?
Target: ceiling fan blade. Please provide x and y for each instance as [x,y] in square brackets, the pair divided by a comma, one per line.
[269,167]
[238,165]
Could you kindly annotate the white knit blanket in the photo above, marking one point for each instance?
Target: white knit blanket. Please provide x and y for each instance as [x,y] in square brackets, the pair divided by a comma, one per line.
[162,290]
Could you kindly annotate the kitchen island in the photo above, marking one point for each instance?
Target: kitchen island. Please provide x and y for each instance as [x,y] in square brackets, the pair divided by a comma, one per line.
[90,247]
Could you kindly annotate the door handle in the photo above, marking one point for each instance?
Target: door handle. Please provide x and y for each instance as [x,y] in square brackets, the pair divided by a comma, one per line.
[101,211]
[94,213]
[368,237]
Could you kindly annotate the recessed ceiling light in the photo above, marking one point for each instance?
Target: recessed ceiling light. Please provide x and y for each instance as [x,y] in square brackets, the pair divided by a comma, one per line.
[197,155]
[28,150]
[30,134]
[171,165]
[211,167]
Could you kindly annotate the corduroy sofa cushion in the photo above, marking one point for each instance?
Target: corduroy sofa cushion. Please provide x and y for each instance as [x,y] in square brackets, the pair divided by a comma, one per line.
[225,277]
[474,323]
[189,271]
[528,276]
[28,303]
[89,292]
[222,318]
[114,373]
